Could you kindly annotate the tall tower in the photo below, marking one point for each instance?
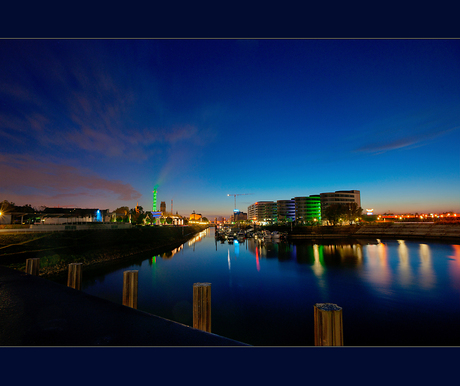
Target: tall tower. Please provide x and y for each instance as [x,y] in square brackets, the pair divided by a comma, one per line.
[154,205]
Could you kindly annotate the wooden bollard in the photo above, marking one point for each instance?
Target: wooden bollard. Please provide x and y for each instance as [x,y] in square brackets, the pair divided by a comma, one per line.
[202,306]
[33,266]
[74,276]
[328,325]
[130,288]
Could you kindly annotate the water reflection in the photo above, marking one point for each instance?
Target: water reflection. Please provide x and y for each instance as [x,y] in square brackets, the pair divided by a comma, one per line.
[343,254]
[405,276]
[237,247]
[318,268]
[377,270]
[308,253]
[198,237]
[403,269]
[266,250]
[427,277]
[454,267]
[170,254]
[153,268]
[405,284]
[257,260]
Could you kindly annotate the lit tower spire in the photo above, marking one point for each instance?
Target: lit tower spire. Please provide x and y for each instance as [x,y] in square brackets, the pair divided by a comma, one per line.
[154,205]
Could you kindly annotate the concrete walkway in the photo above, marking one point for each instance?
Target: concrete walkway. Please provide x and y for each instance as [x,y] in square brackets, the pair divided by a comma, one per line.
[35,311]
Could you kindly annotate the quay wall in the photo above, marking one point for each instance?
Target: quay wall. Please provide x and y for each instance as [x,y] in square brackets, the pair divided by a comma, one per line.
[431,231]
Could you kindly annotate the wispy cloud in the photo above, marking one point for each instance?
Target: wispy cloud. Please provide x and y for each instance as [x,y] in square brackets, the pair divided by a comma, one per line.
[409,142]
[409,133]
[25,173]
[95,106]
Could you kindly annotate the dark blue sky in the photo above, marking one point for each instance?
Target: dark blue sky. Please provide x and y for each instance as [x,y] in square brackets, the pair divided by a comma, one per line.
[99,123]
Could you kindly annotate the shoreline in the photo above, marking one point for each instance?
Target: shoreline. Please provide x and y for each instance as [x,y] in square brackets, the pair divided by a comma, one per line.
[413,231]
[93,248]
[99,247]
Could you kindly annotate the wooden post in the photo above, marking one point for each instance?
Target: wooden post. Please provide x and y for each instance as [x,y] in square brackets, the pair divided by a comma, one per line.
[74,276]
[328,325]
[33,266]
[202,306]
[130,288]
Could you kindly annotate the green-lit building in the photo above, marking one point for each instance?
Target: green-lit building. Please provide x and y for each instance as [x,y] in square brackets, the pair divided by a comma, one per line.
[302,210]
[308,209]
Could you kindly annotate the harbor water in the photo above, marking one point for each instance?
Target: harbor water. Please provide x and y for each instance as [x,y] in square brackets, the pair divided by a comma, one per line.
[392,292]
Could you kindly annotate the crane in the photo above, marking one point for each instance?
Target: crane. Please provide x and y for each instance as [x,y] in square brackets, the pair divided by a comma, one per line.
[238,194]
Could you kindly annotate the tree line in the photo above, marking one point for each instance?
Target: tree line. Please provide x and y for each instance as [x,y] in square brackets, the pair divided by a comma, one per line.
[337,213]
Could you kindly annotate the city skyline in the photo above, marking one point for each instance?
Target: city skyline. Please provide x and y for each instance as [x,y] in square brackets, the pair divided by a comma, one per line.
[101,123]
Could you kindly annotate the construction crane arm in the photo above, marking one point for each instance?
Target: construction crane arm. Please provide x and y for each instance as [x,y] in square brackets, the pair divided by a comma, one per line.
[238,194]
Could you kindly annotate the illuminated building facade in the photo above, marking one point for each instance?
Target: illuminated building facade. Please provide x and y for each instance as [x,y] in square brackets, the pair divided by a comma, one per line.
[195,217]
[308,209]
[154,201]
[303,210]
[286,210]
[263,212]
[238,216]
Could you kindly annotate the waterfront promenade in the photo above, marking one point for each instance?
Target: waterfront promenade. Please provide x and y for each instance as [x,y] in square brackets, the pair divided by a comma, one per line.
[35,311]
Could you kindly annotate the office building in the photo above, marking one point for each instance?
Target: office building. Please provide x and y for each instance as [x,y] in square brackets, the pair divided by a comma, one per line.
[302,210]
[308,209]
[286,210]
[340,197]
[238,216]
[263,212]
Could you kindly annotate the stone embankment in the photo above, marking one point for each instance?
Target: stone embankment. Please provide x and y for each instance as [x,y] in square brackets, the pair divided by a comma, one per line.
[432,231]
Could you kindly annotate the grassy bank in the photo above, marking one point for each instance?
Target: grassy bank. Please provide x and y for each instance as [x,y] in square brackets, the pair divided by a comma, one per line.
[57,250]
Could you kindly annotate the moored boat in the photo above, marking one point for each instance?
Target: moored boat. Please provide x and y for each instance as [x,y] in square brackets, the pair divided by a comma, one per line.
[276,235]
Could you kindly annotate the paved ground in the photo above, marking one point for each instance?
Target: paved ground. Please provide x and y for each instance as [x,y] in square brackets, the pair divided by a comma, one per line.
[35,311]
